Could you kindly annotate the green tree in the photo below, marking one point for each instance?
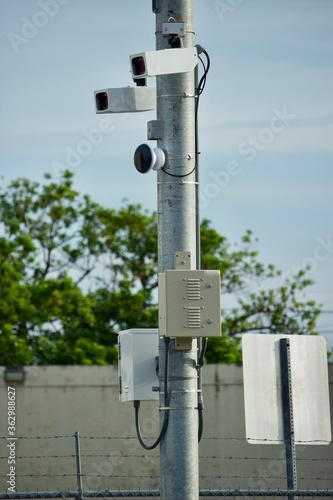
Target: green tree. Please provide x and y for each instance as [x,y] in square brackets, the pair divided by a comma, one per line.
[74,273]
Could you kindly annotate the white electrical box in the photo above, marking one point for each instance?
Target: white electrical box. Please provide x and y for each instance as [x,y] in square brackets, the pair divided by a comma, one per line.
[137,364]
[189,303]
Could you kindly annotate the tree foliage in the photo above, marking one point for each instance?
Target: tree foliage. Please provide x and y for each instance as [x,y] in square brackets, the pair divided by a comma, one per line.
[74,273]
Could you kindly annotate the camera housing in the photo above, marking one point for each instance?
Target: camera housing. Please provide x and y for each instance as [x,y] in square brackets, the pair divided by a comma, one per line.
[125,99]
[147,158]
[163,62]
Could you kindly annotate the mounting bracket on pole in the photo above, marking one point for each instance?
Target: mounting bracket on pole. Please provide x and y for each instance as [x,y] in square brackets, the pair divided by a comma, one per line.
[182,262]
[156,6]
[173,29]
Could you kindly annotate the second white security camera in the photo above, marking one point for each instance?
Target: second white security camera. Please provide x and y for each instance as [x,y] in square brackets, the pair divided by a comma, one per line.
[147,158]
[125,99]
[163,62]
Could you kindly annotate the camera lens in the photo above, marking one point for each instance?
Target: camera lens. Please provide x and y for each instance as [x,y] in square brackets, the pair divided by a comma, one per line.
[139,67]
[102,101]
[143,158]
[141,64]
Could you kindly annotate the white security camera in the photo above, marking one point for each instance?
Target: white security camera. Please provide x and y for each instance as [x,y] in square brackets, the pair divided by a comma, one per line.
[163,62]
[146,158]
[125,99]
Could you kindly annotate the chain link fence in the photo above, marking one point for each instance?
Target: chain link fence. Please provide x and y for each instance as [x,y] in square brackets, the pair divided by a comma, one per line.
[79,467]
[237,494]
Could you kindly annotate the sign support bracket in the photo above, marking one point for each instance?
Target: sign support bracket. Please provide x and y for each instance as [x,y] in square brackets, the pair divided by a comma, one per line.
[288,415]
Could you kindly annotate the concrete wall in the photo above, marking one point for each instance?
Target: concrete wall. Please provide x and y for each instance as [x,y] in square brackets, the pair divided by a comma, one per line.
[56,401]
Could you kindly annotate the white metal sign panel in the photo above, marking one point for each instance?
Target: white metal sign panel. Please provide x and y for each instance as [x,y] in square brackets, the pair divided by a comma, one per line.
[262,389]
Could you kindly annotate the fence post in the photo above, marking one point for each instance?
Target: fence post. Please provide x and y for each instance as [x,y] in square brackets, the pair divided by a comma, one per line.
[78,466]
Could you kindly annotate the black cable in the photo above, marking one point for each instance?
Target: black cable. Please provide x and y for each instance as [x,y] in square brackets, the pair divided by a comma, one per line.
[182,175]
[203,344]
[201,361]
[200,425]
[166,405]
[203,79]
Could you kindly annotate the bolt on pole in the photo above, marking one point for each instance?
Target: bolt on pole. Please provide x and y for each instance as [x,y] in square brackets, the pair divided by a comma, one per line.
[176,191]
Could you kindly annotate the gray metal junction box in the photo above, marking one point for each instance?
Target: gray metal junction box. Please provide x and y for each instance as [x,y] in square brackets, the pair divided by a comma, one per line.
[189,303]
[137,353]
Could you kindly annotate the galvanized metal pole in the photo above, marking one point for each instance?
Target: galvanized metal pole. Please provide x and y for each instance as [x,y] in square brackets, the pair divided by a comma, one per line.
[177,233]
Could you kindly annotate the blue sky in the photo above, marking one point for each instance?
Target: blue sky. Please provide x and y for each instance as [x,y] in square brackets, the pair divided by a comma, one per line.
[266,116]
